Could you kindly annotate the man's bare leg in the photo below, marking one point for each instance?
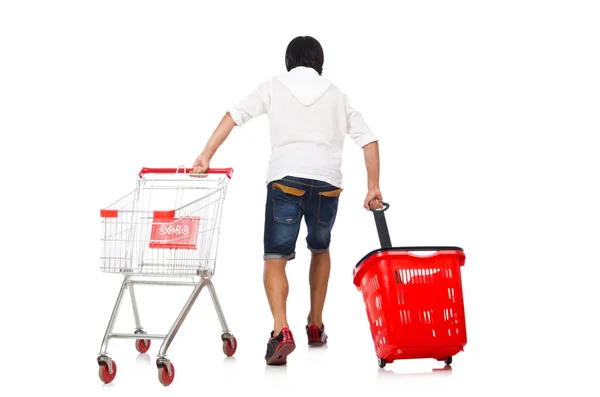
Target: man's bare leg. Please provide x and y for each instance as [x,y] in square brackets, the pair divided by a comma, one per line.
[276,288]
[320,266]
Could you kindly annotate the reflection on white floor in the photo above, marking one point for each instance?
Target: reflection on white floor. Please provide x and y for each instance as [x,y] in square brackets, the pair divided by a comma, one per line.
[384,373]
[346,365]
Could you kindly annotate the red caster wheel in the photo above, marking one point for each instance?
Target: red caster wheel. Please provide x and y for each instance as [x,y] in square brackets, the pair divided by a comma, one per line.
[163,375]
[142,345]
[104,373]
[228,349]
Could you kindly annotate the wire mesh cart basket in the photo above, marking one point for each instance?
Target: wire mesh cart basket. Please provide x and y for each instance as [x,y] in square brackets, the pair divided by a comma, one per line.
[413,299]
[164,233]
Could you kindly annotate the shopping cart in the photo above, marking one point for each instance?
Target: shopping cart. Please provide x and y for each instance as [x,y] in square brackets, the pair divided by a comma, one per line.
[166,229]
[413,298]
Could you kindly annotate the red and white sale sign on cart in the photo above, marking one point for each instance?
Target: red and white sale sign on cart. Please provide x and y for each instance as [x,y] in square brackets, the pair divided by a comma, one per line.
[170,232]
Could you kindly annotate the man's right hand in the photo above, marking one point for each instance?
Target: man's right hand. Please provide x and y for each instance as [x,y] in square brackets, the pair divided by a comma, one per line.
[201,165]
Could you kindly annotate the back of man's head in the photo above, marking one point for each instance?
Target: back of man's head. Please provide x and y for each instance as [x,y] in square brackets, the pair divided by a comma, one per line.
[304,51]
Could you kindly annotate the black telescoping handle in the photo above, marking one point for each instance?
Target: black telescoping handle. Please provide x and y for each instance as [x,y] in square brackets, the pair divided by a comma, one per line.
[382,228]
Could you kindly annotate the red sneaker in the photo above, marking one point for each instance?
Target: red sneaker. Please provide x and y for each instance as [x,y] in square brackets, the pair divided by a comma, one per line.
[279,347]
[316,335]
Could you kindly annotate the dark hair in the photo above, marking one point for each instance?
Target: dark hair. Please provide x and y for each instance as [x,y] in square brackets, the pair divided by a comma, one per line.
[304,51]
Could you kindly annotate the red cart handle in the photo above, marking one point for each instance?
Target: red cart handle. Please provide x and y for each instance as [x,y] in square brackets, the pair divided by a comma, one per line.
[146,170]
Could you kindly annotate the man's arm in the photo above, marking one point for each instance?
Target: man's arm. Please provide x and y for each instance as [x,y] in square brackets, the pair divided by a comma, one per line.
[362,135]
[374,198]
[202,163]
[254,105]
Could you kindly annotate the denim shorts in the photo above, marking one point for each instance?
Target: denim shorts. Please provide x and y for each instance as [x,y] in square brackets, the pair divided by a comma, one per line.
[291,199]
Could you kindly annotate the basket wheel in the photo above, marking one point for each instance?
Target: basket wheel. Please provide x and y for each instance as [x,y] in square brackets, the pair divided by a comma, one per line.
[381,362]
[448,360]
[142,345]
[163,375]
[104,373]
[228,349]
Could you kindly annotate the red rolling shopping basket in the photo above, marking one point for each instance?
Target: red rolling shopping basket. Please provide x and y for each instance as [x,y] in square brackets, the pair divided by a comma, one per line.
[413,299]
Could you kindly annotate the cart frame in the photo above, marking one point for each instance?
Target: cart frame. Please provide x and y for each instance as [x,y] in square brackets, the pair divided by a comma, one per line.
[200,280]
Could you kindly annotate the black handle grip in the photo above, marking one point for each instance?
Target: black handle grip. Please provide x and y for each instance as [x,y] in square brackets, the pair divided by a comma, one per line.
[381,225]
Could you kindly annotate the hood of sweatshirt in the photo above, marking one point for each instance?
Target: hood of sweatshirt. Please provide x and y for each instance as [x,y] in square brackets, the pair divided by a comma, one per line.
[305,84]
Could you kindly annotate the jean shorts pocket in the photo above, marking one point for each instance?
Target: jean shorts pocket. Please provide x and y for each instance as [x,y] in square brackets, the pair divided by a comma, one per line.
[286,203]
[328,205]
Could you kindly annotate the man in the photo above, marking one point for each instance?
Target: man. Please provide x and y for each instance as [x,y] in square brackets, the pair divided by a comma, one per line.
[309,118]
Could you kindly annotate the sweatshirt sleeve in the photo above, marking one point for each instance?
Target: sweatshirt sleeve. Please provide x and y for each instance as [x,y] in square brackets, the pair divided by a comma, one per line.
[253,105]
[357,128]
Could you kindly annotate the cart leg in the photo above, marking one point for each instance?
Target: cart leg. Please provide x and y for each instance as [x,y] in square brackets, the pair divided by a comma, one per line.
[162,360]
[141,345]
[215,299]
[136,315]
[113,318]
[225,329]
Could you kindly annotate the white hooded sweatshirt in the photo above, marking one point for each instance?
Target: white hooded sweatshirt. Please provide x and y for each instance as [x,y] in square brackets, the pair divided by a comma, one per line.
[309,118]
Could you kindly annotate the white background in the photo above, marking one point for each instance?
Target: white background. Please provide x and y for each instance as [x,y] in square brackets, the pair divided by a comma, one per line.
[486,111]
